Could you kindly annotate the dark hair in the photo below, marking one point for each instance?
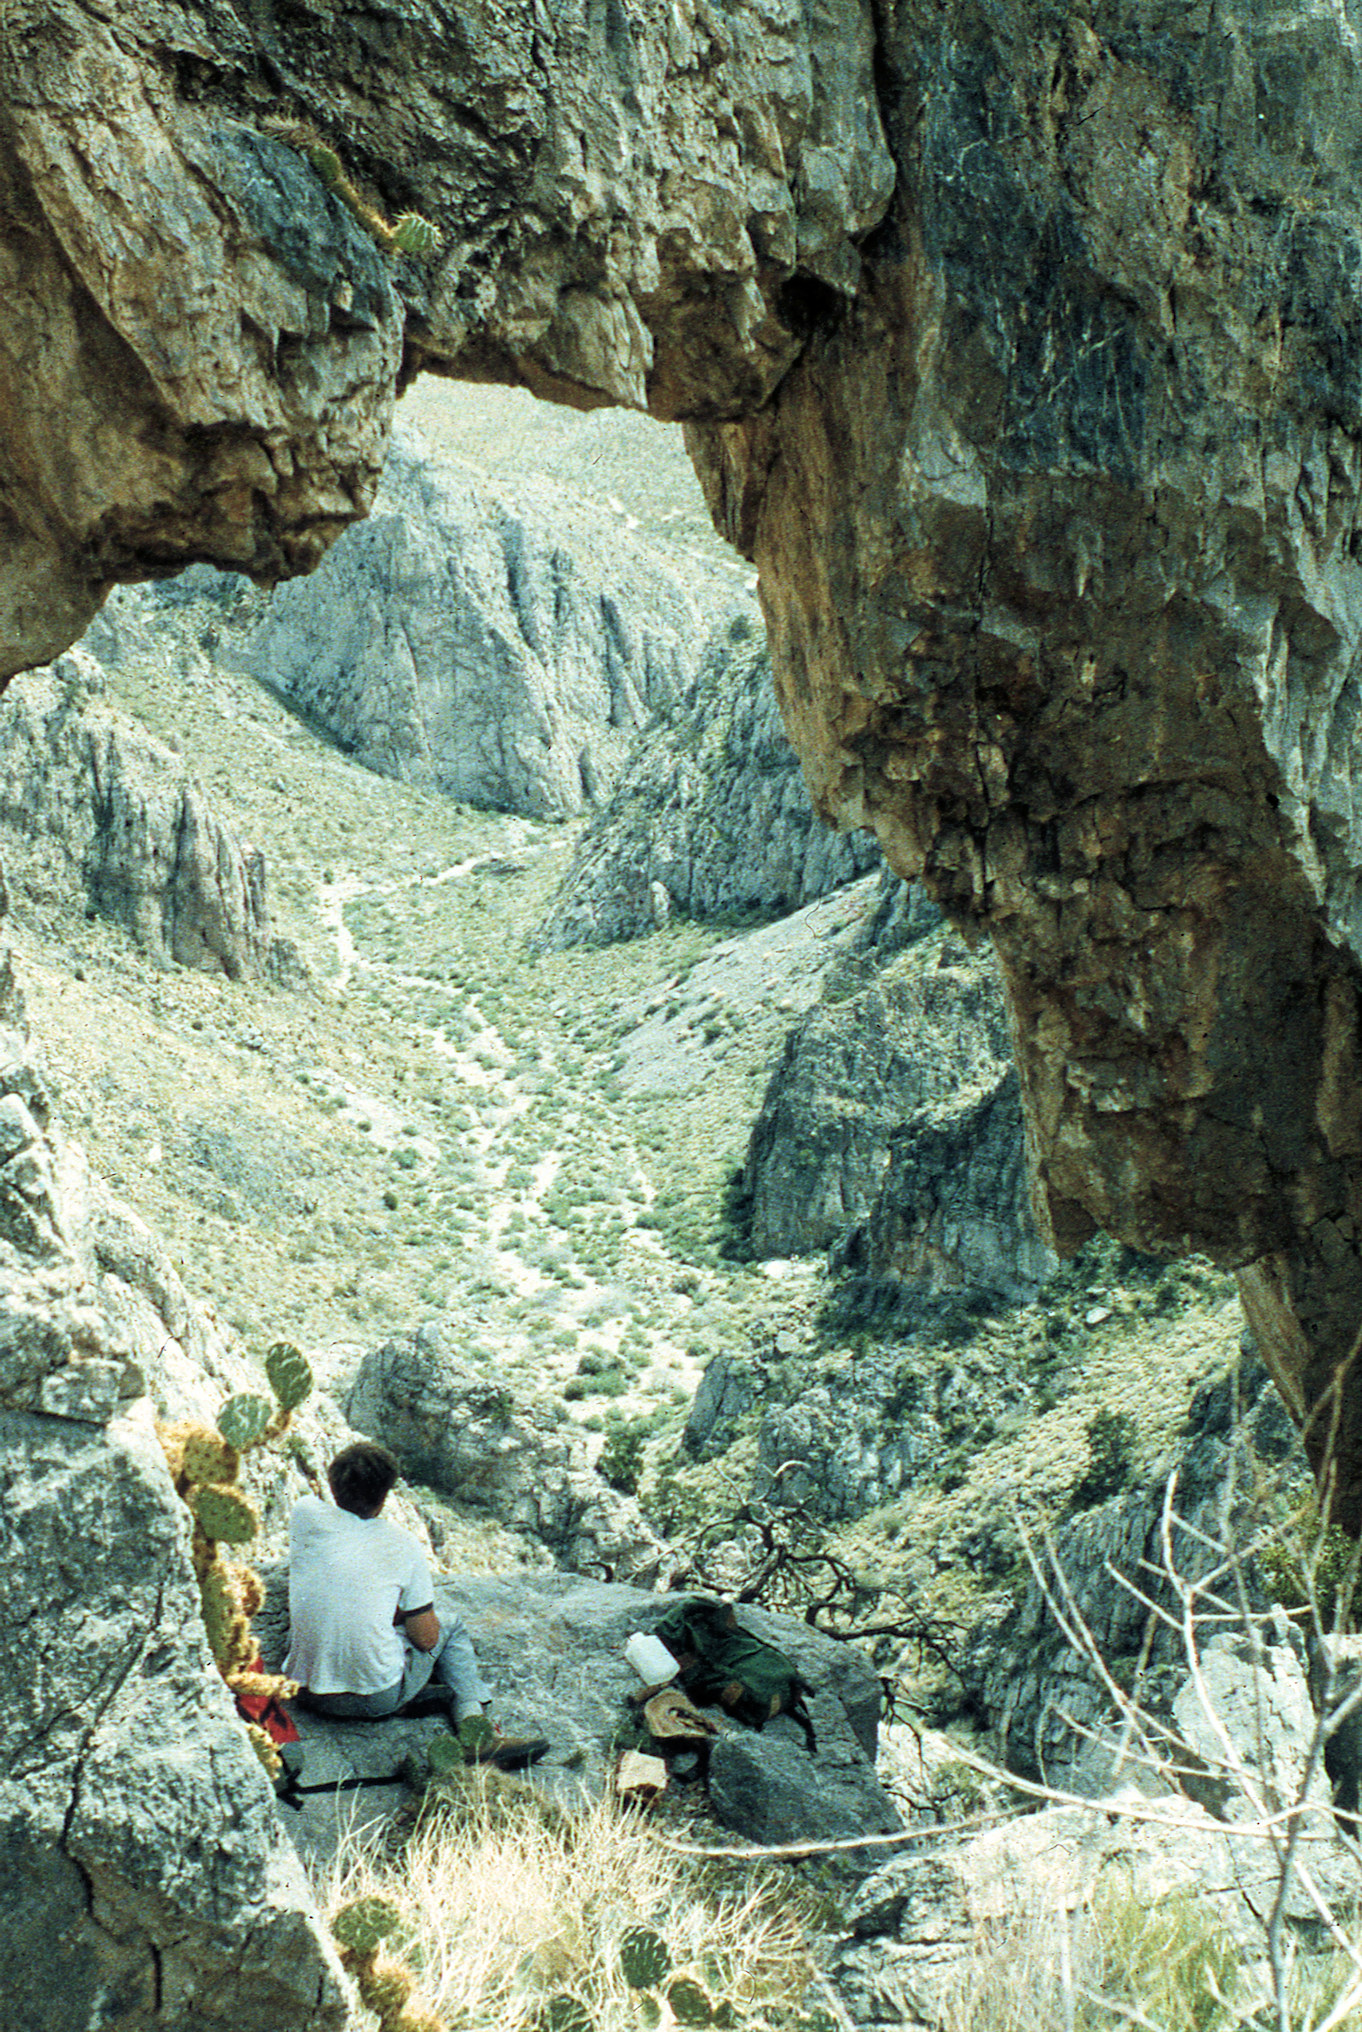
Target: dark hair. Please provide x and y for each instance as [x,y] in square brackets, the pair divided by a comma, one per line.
[361,1477]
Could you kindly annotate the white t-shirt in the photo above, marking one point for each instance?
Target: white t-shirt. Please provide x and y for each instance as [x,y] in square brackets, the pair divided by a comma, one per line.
[346,1577]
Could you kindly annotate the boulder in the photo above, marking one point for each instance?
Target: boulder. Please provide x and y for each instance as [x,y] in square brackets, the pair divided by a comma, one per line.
[477,643]
[95,812]
[148,1877]
[552,1647]
[710,819]
[468,1434]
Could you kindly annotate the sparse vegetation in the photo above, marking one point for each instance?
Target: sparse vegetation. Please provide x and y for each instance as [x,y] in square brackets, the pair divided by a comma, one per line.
[515,1914]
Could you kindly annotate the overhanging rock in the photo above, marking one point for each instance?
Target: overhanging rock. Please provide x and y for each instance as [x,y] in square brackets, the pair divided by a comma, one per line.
[1021,350]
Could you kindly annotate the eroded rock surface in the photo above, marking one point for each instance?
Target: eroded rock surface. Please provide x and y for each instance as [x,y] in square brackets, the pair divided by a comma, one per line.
[711,817]
[470,1436]
[469,641]
[892,1128]
[1056,532]
[645,209]
[93,810]
[148,1880]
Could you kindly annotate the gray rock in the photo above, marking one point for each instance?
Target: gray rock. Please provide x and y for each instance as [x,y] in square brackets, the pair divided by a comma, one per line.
[96,813]
[872,1429]
[552,1648]
[469,1435]
[463,641]
[915,1927]
[770,1788]
[1045,1704]
[140,1832]
[723,1394]
[1248,1717]
[892,1127]
[711,818]
[953,1211]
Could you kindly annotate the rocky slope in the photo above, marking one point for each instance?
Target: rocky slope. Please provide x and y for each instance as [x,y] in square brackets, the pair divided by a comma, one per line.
[710,819]
[480,644]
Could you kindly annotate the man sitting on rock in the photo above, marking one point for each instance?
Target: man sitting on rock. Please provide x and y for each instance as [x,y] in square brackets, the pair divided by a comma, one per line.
[364,1638]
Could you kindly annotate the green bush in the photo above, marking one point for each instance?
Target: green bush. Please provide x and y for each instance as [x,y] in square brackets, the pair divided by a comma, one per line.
[1110,1436]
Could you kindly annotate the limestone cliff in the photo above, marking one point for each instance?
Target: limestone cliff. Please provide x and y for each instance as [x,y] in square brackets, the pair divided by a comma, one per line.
[474,641]
[146,1863]
[1020,348]
[891,1128]
[710,818]
[96,813]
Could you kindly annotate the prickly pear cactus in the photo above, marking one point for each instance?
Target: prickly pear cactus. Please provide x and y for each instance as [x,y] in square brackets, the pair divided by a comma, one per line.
[644,1958]
[689,2003]
[411,234]
[225,1513]
[263,1745]
[364,1923]
[244,1419]
[229,1631]
[565,2013]
[325,161]
[207,1457]
[289,1374]
[387,1987]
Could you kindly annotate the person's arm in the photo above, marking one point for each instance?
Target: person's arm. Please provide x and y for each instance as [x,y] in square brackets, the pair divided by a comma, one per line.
[422,1626]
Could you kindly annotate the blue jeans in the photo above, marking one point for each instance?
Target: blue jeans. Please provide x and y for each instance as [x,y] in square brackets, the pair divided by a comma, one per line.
[452,1663]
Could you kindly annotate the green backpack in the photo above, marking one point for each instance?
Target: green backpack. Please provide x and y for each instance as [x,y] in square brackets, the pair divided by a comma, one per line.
[721,1662]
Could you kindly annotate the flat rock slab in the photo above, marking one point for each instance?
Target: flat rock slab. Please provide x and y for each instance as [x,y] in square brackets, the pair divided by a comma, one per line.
[552,1647]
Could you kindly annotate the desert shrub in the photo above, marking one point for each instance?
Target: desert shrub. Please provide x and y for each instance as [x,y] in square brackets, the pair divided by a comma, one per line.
[1110,1436]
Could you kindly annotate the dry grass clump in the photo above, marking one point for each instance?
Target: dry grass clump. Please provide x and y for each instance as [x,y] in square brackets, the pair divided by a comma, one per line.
[509,1903]
[1169,1966]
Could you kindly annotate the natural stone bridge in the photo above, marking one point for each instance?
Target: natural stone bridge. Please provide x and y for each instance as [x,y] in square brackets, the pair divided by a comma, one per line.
[1020,345]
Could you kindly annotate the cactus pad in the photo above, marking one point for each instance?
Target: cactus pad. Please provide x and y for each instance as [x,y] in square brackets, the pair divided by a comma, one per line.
[264,1748]
[644,1958]
[689,2003]
[386,1987]
[225,1513]
[289,1374]
[565,2013]
[411,234]
[207,1456]
[444,1753]
[363,1923]
[244,1418]
[324,160]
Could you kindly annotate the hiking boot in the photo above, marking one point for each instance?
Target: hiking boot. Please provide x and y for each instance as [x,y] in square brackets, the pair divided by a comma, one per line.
[483,1743]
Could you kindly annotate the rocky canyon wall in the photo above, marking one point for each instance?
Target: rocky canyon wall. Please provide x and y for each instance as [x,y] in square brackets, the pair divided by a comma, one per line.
[1019,347]
[1056,524]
